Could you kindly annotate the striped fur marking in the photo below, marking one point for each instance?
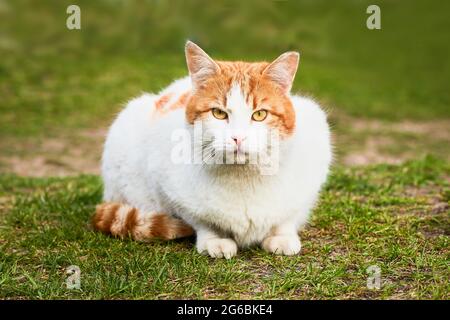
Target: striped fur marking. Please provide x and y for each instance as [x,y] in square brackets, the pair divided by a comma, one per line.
[122,221]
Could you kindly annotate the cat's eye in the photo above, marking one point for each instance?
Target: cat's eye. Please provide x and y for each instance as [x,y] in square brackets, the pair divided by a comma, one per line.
[259,115]
[219,114]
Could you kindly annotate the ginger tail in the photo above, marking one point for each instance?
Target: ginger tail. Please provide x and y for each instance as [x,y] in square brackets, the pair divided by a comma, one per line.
[121,220]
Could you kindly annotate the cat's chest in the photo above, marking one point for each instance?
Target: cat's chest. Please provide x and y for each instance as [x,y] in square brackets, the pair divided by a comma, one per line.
[242,208]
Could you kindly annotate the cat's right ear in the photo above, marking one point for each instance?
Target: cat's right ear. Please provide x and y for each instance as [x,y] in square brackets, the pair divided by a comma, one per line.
[200,65]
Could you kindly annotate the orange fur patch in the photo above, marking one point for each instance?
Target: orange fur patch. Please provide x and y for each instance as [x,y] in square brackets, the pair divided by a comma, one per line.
[167,228]
[162,101]
[104,216]
[181,102]
[130,222]
[163,106]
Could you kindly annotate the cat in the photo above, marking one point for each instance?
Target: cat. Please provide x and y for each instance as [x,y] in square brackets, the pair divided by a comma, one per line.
[228,205]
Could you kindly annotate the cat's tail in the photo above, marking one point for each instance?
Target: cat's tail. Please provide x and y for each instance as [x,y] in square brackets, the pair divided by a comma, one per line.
[121,220]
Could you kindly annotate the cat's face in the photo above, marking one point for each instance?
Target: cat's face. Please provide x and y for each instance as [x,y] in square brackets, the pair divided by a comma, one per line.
[241,106]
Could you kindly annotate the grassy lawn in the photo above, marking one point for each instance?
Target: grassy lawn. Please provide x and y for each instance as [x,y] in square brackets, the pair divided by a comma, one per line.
[394,217]
[386,204]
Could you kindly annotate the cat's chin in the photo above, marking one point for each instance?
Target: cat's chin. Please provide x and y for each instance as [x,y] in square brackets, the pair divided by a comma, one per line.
[239,157]
[241,164]
[232,171]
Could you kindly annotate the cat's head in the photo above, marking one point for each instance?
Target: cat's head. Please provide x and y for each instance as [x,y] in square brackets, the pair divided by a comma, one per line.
[240,104]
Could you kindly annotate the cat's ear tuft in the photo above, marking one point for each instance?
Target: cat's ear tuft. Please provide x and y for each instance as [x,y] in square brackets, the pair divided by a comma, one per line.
[282,70]
[200,65]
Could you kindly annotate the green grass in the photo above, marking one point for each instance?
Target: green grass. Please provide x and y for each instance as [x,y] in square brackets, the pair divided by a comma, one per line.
[395,217]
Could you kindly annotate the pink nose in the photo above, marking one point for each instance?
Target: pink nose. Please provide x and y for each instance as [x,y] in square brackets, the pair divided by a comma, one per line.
[238,140]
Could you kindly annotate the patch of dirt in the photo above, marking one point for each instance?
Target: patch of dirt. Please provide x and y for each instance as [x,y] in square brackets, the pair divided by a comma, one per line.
[370,141]
[57,156]
[432,194]
[440,207]
[370,153]
[439,129]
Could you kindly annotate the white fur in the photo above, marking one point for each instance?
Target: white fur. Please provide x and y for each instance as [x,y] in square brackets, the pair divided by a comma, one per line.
[228,207]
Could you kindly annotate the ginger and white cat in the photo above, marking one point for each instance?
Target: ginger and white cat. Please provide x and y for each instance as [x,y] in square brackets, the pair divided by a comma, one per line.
[228,204]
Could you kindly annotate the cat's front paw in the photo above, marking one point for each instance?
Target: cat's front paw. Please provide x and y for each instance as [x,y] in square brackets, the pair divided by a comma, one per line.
[218,248]
[286,245]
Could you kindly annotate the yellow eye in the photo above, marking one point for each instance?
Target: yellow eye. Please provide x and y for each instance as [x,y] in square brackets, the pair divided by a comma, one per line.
[259,115]
[219,114]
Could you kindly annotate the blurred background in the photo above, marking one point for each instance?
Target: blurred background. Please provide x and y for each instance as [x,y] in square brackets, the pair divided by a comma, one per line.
[386,91]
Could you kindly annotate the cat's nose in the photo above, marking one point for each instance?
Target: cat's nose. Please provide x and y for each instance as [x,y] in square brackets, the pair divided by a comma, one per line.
[238,140]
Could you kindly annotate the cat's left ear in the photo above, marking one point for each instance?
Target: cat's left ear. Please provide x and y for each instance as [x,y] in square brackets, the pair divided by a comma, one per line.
[201,66]
[282,70]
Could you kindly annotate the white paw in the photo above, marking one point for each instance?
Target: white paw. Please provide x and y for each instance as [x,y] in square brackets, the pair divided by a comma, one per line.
[286,245]
[218,248]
